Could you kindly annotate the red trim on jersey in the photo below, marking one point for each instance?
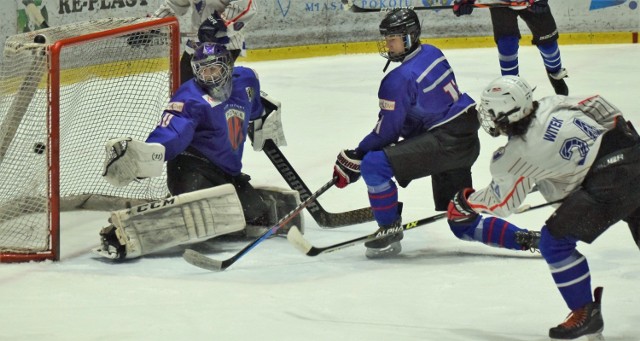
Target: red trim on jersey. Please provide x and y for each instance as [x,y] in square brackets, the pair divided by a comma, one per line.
[503,202]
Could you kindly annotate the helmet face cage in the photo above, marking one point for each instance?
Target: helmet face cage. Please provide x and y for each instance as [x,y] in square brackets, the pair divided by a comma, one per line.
[505,100]
[212,67]
[400,22]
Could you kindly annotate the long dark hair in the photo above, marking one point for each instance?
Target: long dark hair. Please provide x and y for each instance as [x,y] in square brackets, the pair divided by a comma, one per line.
[520,127]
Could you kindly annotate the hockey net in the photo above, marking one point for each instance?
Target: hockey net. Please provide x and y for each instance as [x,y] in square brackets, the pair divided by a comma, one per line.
[64,92]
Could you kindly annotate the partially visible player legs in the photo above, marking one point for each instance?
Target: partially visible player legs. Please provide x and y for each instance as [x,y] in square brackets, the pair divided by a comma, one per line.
[550,53]
[383,196]
[508,55]
[496,232]
[634,225]
[280,202]
[570,271]
[179,220]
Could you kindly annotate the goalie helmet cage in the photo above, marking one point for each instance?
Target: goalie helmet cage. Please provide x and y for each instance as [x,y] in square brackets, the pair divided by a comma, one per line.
[64,92]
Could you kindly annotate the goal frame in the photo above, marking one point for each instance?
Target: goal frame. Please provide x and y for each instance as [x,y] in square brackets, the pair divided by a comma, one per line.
[53,122]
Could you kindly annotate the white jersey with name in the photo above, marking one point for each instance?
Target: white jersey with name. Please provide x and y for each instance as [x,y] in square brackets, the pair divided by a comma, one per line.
[236,15]
[555,154]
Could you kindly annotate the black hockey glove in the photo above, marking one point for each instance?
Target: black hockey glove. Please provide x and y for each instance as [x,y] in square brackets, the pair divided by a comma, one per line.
[213,30]
[459,210]
[538,6]
[347,167]
[463,7]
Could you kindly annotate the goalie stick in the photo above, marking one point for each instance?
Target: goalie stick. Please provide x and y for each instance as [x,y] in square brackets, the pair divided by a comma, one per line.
[320,215]
[350,5]
[299,242]
[204,262]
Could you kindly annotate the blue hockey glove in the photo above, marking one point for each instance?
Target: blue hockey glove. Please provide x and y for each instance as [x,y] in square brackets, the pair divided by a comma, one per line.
[347,167]
[213,30]
[463,7]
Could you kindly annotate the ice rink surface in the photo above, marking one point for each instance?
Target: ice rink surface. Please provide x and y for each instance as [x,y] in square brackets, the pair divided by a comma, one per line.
[440,288]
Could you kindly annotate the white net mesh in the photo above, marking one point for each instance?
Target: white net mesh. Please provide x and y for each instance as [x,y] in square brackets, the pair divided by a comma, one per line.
[109,87]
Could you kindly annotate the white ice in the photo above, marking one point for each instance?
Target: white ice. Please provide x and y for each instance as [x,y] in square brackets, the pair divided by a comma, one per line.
[440,288]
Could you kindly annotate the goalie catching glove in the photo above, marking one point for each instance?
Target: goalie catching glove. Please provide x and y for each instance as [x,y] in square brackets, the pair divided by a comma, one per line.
[459,210]
[347,167]
[129,159]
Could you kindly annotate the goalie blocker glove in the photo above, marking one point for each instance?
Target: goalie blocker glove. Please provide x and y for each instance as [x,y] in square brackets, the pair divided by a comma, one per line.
[347,167]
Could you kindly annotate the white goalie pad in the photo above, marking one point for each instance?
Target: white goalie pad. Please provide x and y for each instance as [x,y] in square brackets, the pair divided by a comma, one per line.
[282,201]
[179,220]
[269,126]
[128,159]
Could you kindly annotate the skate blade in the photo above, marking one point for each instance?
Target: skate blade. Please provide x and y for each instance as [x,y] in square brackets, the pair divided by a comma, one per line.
[591,337]
[390,251]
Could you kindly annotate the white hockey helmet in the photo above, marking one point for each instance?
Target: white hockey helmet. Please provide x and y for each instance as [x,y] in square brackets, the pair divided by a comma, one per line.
[505,100]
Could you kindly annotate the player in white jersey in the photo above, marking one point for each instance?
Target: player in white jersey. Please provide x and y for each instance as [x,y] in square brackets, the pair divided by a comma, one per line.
[578,150]
[215,21]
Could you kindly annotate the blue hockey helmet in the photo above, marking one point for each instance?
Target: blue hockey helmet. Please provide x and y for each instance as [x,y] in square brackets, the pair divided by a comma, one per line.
[212,66]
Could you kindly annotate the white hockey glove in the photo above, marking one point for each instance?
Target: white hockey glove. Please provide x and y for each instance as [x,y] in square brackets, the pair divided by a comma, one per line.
[129,159]
[269,126]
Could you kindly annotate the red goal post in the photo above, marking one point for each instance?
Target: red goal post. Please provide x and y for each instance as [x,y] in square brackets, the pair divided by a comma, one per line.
[64,92]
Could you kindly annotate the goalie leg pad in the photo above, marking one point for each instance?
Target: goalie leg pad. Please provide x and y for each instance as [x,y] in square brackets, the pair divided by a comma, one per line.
[281,202]
[184,219]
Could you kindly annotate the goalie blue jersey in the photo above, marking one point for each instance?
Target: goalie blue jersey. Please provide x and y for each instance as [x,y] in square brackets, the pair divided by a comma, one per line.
[217,130]
[415,97]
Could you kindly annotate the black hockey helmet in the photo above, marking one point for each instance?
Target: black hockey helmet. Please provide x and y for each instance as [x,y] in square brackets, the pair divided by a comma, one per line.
[402,22]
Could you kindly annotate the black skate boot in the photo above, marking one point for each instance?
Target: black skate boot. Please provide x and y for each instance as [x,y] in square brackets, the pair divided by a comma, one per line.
[529,240]
[586,321]
[558,83]
[387,246]
[110,247]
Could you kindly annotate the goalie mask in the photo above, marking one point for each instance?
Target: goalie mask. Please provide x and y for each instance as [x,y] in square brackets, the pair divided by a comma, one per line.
[401,23]
[505,100]
[212,66]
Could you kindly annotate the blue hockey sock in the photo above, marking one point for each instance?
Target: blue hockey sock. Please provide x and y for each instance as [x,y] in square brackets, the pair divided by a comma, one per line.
[490,230]
[508,55]
[384,202]
[550,53]
[569,268]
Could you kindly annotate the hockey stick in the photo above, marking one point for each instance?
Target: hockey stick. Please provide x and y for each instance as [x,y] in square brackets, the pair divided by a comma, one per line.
[526,207]
[204,262]
[297,239]
[353,7]
[323,218]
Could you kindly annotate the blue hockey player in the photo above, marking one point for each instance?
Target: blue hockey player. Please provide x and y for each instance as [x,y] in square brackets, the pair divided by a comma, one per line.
[537,16]
[201,137]
[419,102]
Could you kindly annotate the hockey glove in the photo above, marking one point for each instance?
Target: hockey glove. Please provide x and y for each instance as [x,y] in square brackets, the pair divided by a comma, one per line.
[459,210]
[463,7]
[538,6]
[347,167]
[213,30]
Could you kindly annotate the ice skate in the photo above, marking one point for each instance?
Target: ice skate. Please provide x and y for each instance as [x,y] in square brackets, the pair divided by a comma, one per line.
[529,240]
[583,322]
[387,246]
[558,83]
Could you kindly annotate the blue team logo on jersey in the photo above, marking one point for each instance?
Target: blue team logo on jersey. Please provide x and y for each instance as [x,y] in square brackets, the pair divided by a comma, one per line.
[600,4]
[235,127]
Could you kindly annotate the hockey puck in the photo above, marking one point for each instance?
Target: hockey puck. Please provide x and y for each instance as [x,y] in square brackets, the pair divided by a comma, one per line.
[40,39]
[39,148]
